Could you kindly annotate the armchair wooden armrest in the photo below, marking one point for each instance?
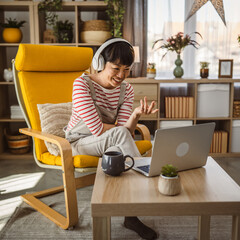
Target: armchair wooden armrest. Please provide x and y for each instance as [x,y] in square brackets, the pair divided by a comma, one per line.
[143,130]
[62,143]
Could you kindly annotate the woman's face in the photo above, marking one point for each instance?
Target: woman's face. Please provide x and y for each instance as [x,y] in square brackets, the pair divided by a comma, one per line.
[114,74]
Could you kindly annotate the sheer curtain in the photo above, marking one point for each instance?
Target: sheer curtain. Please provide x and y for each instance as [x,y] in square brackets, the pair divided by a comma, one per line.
[167,17]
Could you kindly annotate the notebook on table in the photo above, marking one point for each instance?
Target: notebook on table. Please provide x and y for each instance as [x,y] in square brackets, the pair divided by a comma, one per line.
[183,147]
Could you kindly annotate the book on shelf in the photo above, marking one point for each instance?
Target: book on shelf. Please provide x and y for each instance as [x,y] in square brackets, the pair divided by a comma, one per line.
[172,107]
[179,107]
[176,102]
[166,107]
[184,113]
[224,141]
[219,142]
[169,107]
[191,107]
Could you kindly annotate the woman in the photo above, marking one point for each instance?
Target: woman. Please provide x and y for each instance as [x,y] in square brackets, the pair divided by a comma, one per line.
[102,118]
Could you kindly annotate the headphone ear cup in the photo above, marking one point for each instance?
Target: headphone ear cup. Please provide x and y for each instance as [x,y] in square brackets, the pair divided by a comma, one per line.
[101,63]
[95,63]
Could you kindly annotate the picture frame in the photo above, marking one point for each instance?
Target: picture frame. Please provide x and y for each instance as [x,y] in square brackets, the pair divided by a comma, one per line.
[225,69]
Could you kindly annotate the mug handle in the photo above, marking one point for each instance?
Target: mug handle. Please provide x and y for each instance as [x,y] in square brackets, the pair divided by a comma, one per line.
[126,169]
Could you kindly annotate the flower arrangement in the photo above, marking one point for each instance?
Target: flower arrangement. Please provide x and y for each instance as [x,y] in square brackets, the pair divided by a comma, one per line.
[177,43]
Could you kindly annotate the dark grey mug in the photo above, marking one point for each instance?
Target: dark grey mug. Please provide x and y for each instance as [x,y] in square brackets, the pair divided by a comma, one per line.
[113,163]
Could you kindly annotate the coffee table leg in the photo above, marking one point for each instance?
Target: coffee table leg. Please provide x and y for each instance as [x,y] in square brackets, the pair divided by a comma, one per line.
[235,227]
[204,227]
[101,228]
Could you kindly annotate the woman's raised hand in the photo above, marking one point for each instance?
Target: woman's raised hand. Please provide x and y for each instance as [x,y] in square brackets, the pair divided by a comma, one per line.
[144,108]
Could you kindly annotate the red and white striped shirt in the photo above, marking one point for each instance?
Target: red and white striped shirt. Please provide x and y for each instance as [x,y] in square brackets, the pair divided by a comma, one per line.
[84,108]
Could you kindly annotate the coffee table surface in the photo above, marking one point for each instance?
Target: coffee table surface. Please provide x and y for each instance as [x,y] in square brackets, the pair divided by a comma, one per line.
[208,190]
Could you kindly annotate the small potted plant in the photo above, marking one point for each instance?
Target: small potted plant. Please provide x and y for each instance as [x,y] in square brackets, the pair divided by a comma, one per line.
[64,31]
[204,69]
[151,70]
[12,32]
[169,181]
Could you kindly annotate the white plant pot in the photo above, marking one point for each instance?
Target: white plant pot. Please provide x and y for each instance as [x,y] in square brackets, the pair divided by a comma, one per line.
[169,185]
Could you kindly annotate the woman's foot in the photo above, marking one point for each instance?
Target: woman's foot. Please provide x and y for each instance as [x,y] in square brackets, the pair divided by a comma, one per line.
[142,230]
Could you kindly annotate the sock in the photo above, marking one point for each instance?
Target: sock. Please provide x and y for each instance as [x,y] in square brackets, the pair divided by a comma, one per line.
[142,230]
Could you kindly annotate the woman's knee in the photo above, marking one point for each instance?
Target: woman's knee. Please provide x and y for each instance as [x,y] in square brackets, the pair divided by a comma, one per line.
[123,130]
[122,133]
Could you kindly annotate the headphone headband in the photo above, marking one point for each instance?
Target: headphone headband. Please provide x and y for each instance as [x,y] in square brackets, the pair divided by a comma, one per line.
[98,61]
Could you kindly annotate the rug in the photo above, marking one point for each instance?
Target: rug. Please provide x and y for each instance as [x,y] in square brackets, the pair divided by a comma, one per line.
[26,223]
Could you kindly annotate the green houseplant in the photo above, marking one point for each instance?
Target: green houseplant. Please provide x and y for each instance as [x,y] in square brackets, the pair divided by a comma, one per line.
[169,181]
[12,32]
[115,13]
[63,30]
[49,8]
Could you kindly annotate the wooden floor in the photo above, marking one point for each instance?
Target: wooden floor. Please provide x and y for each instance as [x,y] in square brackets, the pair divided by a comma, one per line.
[53,178]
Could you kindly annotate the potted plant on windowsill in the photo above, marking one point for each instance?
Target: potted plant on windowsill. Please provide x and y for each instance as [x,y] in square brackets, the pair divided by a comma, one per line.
[169,181]
[12,32]
[204,69]
[151,70]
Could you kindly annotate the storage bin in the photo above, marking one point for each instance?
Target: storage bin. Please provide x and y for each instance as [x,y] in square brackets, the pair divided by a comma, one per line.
[174,124]
[213,100]
[235,146]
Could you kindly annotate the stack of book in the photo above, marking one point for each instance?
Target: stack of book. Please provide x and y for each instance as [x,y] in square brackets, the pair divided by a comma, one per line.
[179,107]
[16,112]
[219,142]
[236,109]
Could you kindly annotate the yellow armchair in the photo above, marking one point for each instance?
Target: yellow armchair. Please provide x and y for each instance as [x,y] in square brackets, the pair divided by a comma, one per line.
[45,74]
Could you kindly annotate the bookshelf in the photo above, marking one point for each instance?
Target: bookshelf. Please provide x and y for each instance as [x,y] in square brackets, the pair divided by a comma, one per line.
[154,90]
[33,34]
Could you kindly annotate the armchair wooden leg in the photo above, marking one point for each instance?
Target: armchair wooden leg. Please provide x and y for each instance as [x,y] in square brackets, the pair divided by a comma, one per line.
[71,205]
[70,184]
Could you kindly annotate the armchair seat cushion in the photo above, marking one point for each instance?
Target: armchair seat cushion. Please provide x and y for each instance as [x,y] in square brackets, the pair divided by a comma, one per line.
[84,161]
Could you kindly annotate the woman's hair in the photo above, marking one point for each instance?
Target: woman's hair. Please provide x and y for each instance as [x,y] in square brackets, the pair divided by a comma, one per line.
[119,52]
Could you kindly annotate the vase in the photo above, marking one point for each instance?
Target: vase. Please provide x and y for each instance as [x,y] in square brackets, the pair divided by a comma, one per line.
[151,72]
[169,185]
[204,72]
[65,36]
[12,35]
[178,70]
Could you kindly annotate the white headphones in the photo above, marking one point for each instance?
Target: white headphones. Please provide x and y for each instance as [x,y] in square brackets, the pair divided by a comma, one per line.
[98,62]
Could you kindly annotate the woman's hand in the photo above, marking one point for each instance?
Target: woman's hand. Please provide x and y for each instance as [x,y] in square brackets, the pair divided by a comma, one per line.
[144,108]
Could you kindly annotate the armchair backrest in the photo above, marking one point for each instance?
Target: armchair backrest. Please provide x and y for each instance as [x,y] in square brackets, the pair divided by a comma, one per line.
[45,74]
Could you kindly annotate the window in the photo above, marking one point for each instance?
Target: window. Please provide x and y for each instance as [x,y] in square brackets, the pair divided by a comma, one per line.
[167,17]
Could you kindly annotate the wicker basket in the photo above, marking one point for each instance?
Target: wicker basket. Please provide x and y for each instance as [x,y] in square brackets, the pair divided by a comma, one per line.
[17,144]
[96,25]
[98,37]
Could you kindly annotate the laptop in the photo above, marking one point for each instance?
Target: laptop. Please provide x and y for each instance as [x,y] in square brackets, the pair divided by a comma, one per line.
[184,147]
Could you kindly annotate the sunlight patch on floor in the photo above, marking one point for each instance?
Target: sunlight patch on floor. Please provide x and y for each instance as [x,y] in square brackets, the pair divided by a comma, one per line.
[19,182]
[7,208]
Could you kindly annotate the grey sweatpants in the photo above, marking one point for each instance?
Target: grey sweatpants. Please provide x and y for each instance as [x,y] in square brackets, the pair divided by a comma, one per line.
[115,139]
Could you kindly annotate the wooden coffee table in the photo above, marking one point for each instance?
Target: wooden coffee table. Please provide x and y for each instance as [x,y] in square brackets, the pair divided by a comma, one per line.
[206,191]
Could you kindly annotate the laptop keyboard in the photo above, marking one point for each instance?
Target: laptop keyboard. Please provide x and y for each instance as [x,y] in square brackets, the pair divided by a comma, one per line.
[144,168]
